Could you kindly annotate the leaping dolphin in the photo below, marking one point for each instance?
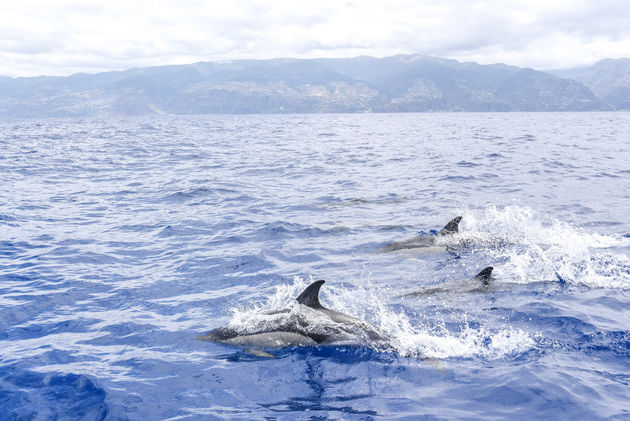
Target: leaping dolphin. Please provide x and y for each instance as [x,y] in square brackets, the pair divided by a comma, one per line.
[426,240]
[306,324]
[480,283]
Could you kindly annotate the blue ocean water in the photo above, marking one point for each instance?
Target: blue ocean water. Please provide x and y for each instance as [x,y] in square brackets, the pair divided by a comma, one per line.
[122,240]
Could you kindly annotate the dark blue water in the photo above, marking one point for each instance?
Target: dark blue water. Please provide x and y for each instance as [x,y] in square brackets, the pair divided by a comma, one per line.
[120,241]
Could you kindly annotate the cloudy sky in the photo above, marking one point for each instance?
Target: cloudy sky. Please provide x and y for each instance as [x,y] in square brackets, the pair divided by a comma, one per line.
[61,37]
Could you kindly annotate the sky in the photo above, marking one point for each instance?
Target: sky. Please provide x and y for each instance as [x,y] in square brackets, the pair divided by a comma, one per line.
[62,37]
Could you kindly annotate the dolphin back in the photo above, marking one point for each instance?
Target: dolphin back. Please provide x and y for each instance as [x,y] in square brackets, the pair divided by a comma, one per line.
[301,326]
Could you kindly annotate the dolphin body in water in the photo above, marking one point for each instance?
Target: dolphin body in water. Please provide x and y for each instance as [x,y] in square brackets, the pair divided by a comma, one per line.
[425,241]
[481,282]
[306,324]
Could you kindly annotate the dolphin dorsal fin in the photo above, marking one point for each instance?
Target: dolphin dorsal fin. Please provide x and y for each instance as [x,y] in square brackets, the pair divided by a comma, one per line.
[485,274]
[452,227]
[310,296]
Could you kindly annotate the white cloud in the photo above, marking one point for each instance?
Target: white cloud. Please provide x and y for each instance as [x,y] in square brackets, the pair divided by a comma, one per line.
[61,37]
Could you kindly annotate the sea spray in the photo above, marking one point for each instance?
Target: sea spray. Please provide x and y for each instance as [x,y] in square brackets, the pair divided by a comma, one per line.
[526,246]
[420,340]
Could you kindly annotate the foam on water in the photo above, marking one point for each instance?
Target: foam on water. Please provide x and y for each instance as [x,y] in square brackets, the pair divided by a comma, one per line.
[526,246]
[410,339]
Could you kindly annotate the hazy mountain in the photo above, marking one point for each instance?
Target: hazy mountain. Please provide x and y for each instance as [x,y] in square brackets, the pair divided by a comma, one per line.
[361,84]
[608,79]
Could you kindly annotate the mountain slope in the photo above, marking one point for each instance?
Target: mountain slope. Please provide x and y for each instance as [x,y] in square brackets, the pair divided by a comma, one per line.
[361,84]
[608,79]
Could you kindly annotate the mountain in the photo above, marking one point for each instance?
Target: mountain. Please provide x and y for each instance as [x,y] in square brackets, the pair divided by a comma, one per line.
[360,84]
[608,79]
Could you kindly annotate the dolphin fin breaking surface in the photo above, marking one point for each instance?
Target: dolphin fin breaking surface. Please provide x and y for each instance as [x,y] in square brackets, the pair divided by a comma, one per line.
[310,296]
[485,274]
[479,283]
[424,241]
[452,226]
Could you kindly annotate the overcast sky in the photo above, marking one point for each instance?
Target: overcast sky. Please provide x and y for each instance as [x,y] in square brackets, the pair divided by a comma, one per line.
[61,37]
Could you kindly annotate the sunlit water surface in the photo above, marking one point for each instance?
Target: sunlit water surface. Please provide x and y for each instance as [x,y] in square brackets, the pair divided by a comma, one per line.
[121,241]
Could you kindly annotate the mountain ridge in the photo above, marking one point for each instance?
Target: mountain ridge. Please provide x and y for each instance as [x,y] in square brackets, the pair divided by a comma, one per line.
[401,83]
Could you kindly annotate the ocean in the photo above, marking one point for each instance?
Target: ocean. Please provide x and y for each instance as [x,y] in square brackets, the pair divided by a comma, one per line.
[121,240]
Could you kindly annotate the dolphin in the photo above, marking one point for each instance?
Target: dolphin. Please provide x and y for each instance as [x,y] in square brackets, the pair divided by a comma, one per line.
[306,324]
[425,240]
[481,282]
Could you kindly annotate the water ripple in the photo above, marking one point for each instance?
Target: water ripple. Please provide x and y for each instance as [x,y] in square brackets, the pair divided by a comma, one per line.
[120,241]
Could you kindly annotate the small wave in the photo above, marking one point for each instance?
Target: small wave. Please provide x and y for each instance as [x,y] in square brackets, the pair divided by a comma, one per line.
[292,258]
[283,230]
[181,196]
[614,341]
[6,218]
[391,198]
[526,137]
[467,164]
[592,342]
[31,395]
[458,178]
[606,175]
[235,266]
[183,230]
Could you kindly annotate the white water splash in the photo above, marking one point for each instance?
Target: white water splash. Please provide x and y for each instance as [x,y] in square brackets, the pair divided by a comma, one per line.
[408,338]
[534,248]
[527,246]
